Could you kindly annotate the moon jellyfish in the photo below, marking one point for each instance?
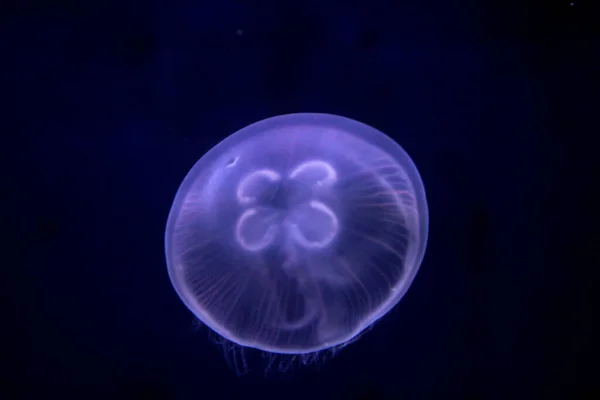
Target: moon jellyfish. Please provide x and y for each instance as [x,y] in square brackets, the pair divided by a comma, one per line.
[296,233]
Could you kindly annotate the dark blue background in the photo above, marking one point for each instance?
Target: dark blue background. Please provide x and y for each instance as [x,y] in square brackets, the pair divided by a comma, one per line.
[110,103]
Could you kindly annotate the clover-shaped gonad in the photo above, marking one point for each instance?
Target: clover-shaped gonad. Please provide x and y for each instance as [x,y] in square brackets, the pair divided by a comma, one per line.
[310,223]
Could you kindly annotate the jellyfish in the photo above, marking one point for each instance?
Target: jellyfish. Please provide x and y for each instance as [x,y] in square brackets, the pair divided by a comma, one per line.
[297,233]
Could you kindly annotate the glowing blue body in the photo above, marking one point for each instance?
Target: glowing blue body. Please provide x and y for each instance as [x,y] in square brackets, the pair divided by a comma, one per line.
[296,233]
